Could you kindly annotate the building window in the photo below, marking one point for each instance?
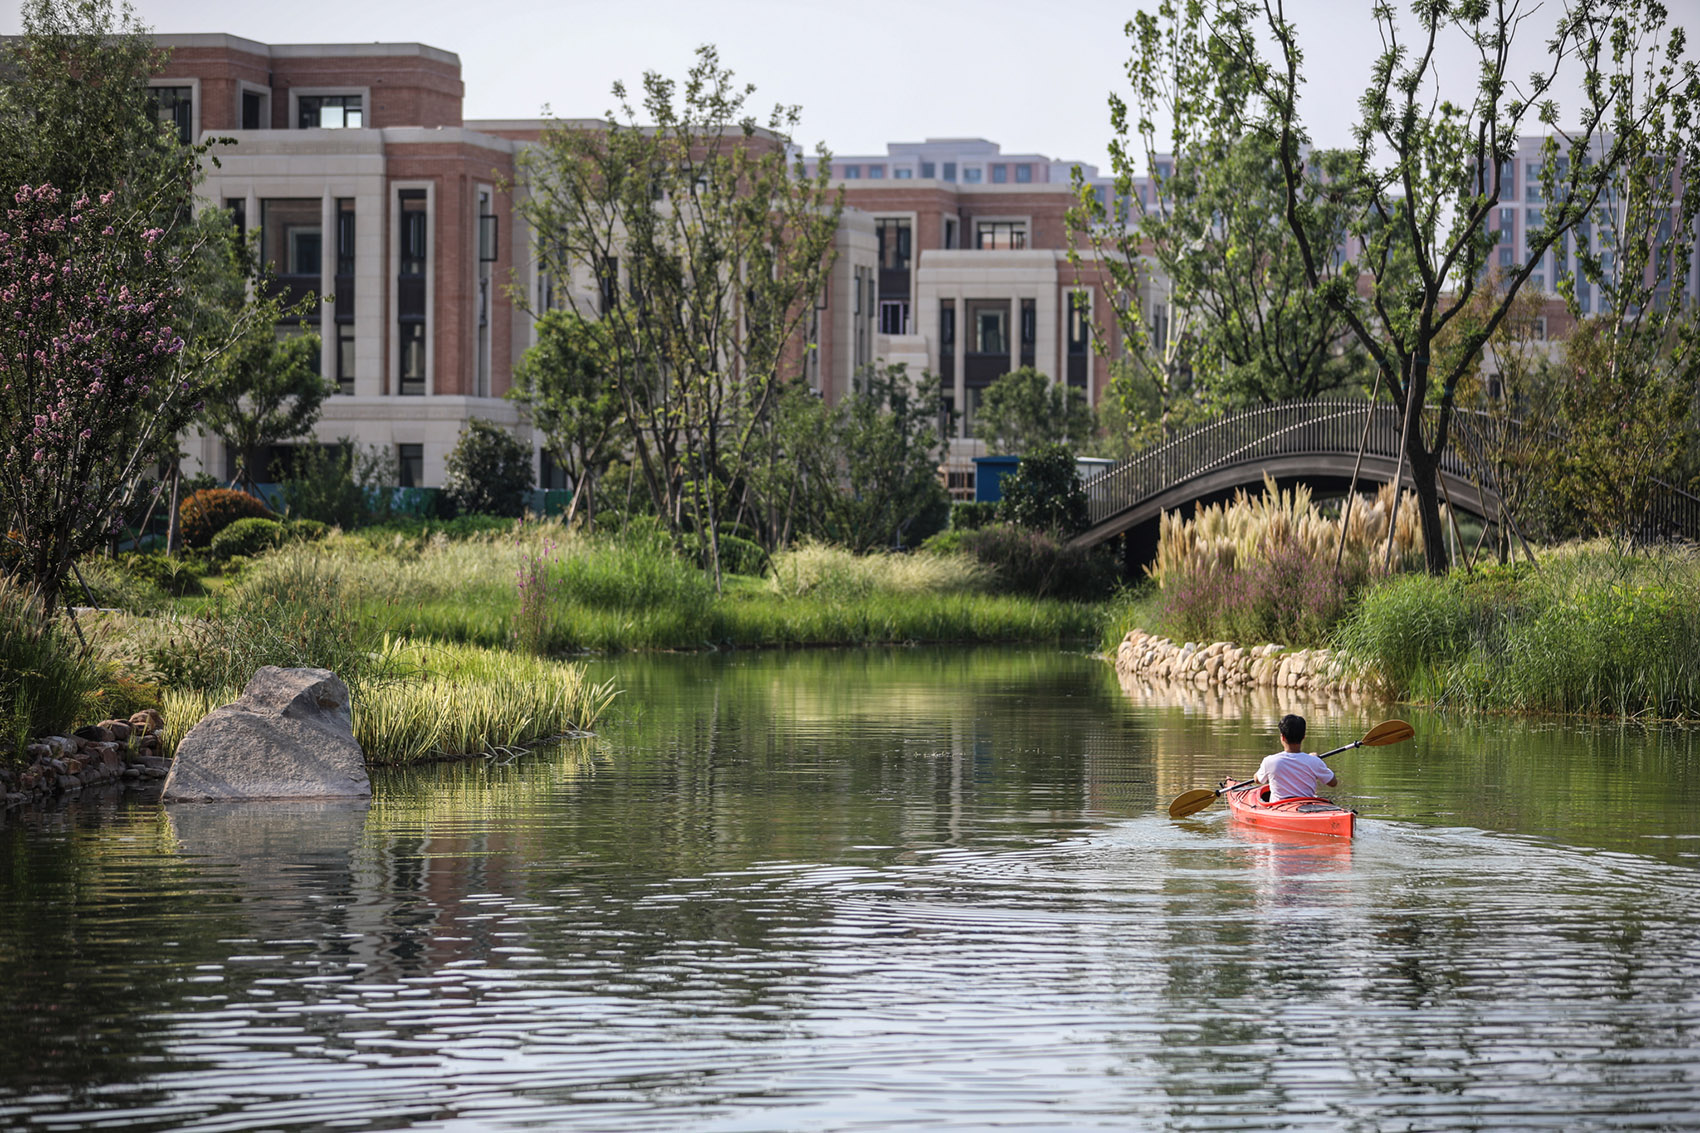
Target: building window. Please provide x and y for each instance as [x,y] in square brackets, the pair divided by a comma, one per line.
[1532,181]
[1505,254]
[551,477]
[876,172]
[254,110]
[947,326]
[894,243]
[991,330]
[410,459]
[345,358]
[345,236]
[971,175]
[852,172]
[902,173]
[1162,169]
[412,359]
[894,316]
[950,171]
[1000,174]
[292,245]
[237,207]
[1078,335]
[174,107]
[926,170]
[1508,180]
[1023,174]
[329,112]
[1002,235]
[414,259]
[950,232]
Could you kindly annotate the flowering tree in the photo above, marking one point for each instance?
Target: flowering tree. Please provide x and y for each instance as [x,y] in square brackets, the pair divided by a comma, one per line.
[89,386]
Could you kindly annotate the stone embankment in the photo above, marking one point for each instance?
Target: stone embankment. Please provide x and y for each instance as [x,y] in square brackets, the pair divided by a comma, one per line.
[110,751]
[1222,664]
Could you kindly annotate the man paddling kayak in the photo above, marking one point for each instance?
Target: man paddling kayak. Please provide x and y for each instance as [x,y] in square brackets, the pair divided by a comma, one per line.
[1293,773]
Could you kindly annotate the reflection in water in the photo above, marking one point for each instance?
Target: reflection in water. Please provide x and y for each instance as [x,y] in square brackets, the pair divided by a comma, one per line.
[903,889]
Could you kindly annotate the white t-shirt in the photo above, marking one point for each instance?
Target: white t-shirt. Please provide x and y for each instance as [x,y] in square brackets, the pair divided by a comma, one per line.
[1293,775]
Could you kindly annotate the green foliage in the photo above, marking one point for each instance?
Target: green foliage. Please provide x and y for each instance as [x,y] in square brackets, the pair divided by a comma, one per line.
[1044,494]
[970,515]
[1033,562]
[329,484]
[263,390]
[1024,411]
[488,472]
[566,383]
[823,571]
[1590,632]
[709,247]
[251,536]
[1419,191]
[45,677]
[205,513]
[305,530]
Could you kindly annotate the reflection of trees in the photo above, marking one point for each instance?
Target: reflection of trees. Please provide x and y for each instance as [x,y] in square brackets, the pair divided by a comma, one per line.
[83,895]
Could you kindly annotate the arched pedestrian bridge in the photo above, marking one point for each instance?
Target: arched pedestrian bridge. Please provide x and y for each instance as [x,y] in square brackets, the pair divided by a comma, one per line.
[1309,442]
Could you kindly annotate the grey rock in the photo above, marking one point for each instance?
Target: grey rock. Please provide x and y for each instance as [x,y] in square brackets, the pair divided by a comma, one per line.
[289,736]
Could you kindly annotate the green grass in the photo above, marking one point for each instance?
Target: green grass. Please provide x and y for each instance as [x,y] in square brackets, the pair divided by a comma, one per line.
[443,702]
[1589,631]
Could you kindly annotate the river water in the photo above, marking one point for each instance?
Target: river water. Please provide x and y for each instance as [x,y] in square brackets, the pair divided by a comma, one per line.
[908,889]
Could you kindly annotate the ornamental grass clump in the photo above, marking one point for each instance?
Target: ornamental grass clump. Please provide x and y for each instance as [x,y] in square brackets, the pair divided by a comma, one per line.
[1262,568]
[823,570]
[46,678]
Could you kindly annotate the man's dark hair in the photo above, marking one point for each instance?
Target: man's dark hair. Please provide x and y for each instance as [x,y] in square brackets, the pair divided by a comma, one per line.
[1293,728]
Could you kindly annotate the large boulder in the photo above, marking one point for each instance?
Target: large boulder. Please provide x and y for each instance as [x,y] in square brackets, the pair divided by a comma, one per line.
[290,736]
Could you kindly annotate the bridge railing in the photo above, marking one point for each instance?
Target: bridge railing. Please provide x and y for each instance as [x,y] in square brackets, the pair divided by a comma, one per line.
[1334,428]
[1253,436]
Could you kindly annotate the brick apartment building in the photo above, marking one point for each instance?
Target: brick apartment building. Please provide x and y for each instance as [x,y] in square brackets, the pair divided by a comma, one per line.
[973,276]
[366,184]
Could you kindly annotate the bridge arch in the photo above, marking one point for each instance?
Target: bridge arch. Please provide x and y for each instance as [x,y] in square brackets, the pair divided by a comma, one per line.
[1309,442]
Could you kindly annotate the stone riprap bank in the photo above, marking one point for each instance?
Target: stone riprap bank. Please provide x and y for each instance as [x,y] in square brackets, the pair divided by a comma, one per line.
[110,751]
[1225,664]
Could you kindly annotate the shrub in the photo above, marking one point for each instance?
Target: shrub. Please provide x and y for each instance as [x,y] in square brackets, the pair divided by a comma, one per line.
[246,537]
[176,575]
[210,510]
[323,485]
[971,515]
[305,530]
[1033,562]
[489,472]
[1287,593]
[1044,493]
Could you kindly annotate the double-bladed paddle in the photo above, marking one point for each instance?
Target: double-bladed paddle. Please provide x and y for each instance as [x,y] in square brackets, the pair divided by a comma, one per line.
[1386,732]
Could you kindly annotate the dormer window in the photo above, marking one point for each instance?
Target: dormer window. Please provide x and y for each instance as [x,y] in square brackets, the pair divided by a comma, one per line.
[329,112]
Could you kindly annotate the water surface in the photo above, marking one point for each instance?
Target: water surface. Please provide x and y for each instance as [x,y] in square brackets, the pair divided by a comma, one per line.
[879,890]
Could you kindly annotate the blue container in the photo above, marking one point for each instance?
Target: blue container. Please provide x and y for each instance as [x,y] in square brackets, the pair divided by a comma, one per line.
[989,472]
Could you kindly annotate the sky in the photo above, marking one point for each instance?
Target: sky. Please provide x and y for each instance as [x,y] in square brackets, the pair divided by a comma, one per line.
[1032,76]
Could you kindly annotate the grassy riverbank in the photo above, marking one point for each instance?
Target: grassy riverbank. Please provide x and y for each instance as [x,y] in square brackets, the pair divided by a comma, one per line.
[540,590]
[1586,631]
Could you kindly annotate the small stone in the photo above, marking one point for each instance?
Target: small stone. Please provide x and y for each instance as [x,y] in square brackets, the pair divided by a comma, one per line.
[147,721]
[95,733]
[35,753]
[131,772]
[120,729]
[69,783]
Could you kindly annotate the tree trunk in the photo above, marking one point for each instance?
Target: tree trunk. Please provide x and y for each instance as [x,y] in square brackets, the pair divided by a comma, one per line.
[1425,482]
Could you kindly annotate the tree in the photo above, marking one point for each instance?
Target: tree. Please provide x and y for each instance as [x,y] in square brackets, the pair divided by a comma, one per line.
[488,472]
[565,383]
[1424,174]
[88,388]
[264,391]
[1241,325]
[110,342]
[702,248]
[887,432]
[1024,409]
[1045,494]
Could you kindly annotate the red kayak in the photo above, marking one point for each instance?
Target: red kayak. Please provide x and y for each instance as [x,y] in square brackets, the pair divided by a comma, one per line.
[1311,816]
